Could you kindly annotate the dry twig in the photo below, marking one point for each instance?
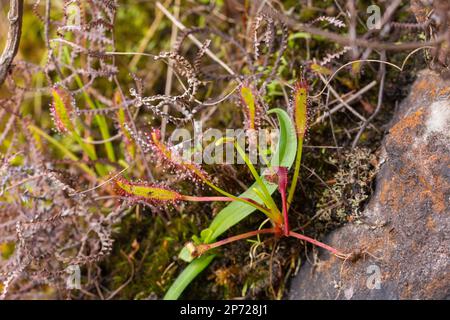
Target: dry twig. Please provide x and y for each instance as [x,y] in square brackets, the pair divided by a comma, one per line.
[15,15]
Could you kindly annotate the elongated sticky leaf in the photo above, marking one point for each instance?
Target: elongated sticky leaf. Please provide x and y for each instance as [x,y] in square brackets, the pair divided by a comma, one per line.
[146,192]
[250,106]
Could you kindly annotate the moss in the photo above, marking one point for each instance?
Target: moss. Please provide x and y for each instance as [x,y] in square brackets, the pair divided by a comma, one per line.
[150,244]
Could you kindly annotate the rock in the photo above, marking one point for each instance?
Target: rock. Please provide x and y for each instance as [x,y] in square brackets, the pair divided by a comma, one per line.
[403,236]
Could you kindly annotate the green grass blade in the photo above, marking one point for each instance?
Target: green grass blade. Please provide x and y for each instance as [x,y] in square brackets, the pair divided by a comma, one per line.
[101,122]
[186,277]
[63,149]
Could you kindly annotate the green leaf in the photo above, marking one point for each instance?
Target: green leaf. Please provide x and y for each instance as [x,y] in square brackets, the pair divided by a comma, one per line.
[206,234]
[188,274]
[287,145]
[196,240]
[300,35]
[237,211]
[63,149]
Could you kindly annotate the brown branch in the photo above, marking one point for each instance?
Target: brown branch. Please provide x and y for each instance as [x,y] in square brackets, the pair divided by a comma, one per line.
[12,43]
[358,41]
[373,44]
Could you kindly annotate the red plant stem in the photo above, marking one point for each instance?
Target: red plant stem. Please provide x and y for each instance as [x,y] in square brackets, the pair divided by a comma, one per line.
[282,186]
[285,213]
[202,248]
[205,199]
[205,247]
[316,243]
[254,202]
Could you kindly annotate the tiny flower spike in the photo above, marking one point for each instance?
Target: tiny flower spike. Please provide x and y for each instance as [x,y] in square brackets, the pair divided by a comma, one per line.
[62,109]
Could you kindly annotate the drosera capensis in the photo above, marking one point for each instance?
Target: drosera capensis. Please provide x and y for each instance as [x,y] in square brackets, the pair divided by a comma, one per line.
[201,250]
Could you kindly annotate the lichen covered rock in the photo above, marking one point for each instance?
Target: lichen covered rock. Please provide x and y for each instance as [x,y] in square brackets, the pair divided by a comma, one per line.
[401,244]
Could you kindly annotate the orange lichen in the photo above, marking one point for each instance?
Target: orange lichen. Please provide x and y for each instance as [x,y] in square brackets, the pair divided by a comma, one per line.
[393,194]
[399,132]
[431,224]
[422,85]
[437,197]
[384,193]
[440,283]
[444,92]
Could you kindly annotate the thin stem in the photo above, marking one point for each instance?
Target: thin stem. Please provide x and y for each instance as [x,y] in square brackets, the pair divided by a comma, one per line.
[202,248]
[266,197]
[205,199]
[379,103]
[298,161]
[317,243]
[282,186]
[148,36]
[169,77]
[342,104]
[345,40]
[101,184]
[117,136]
[285,214]
[255,175]
[47,39]
[337,96]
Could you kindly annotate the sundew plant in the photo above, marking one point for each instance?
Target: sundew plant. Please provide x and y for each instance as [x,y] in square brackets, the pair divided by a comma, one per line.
[200,252]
